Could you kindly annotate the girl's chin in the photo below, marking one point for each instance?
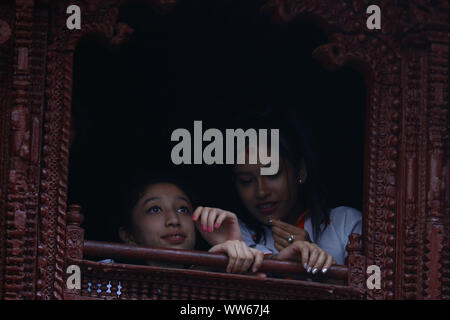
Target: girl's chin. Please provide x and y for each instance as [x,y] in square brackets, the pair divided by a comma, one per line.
[266,220]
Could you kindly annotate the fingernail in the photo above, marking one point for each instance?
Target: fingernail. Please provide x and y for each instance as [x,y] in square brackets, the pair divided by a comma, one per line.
[305,265]
[194,218]
[210,229]
[314,271]
[309,269]
[203,228]
[216,225]
[324,270]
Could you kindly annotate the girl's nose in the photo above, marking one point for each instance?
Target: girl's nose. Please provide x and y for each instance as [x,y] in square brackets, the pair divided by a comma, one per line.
[172,219]
[263,191]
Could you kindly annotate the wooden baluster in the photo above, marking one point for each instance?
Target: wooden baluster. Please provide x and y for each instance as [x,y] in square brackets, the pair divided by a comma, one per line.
[144,292]
[108,289]
[223,294]
[356,264]
[261,296]
[175,292]
[133,290]
[114,289]
[84,287]
[242,295]
[99,288]
[156,291]
[118,289]
[213,294]
[184,293]
[106,292]
[125,286]
[204,293]
[74,246]
[164,291]
[93,287]
[194,294]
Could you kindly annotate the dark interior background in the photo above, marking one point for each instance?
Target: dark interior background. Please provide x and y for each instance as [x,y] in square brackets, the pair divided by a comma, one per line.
[206,60]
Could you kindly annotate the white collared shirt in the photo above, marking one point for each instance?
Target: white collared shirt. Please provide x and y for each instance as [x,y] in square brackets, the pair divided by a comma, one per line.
[343,222]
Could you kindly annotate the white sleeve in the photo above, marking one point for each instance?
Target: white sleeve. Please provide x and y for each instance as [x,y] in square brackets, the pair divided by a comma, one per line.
[247,237]
[349,221]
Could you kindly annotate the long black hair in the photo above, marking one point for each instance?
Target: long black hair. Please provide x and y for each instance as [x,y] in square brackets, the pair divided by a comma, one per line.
[295,146]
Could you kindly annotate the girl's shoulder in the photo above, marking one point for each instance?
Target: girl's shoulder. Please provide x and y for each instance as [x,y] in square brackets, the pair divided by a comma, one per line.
[346,220]
[345,214]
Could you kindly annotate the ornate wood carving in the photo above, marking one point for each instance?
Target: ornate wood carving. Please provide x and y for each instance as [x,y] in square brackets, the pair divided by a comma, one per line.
[24,120]
[446,251]
[6,72]
[437,109]
[103,281]
[407,197]
[101,20]
[75,234]
[356,264]
[74,244]
[406,67]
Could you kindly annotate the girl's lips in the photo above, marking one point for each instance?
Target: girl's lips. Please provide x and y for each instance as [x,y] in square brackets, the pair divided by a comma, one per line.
[267,208]
[175,238]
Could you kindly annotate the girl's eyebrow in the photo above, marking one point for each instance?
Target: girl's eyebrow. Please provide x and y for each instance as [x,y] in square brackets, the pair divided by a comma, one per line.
[151,199]
[239,173]
[183,198]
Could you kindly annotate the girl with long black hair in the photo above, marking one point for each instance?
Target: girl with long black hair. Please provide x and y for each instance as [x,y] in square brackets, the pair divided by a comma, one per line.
[290,205]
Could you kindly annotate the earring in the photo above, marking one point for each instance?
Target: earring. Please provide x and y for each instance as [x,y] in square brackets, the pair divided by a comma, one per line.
[300,181]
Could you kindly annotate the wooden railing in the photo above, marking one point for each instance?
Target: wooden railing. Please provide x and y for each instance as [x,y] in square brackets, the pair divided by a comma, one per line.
[132,280]
[95,249]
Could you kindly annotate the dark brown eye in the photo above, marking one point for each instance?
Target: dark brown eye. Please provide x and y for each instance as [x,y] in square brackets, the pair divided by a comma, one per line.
[154,209]
[184,210]
[244,181]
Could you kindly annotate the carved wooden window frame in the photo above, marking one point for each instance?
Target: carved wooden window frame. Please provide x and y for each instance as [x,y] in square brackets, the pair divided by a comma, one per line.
[406,68]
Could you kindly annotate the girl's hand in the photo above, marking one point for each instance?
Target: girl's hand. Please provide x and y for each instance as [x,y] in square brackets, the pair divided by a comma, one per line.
[216,225]
[312,256]
[281,231]
[240,256]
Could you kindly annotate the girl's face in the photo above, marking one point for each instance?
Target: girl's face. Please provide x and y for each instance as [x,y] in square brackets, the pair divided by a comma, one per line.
[267,197]
[162,218]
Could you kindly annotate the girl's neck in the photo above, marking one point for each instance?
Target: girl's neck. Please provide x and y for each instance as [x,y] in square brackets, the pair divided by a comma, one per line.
[294,213]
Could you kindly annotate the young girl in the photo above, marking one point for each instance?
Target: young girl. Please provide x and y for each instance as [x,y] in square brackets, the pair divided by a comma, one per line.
[290,205]
[160,215]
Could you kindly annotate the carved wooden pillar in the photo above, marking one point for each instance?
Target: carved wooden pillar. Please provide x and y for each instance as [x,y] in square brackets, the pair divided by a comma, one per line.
[74,245]
[446,252]
[356,264]
[74,233]
[421,222]
[21,114]
[437,109]
[100,19]
[6,74]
